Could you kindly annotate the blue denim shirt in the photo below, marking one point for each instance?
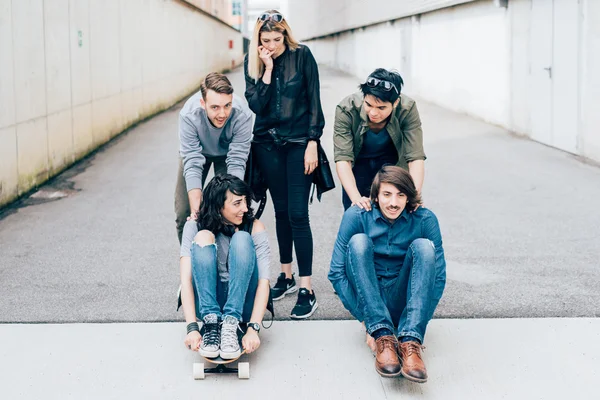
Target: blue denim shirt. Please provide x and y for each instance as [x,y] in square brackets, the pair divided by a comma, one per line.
[390,240]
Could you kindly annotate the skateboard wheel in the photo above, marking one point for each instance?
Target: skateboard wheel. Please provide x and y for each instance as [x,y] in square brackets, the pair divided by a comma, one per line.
[198,371]
[244,370]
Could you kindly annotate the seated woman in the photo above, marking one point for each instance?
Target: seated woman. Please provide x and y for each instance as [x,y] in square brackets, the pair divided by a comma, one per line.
[224,268]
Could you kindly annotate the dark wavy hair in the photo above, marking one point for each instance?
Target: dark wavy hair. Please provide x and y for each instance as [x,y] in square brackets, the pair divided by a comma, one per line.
[213,201]
[401,179]
[384,75]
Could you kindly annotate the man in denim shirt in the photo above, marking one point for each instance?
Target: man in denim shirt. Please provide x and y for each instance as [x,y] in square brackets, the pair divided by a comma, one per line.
[389,270]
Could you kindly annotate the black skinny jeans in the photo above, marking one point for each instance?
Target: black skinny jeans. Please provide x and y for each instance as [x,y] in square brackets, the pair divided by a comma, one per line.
[283,169]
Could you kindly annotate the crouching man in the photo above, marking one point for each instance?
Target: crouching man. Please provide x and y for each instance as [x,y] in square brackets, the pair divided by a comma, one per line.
[389,270]
[224,267]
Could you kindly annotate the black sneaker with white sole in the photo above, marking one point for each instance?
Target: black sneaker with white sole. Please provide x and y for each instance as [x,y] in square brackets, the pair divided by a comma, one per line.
[305,306]
[283,286]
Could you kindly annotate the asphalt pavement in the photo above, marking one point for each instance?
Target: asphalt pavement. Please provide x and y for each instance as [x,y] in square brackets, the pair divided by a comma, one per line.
[519,221]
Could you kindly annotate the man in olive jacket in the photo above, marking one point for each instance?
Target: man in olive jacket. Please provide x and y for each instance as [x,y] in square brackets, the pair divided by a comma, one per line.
[375,127]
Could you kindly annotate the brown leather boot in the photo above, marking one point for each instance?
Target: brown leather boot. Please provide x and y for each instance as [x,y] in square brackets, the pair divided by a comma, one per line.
[413,367]
[386,361]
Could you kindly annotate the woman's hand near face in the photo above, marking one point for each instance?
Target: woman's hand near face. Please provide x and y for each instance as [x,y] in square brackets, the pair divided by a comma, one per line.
[266,56]
[311,159]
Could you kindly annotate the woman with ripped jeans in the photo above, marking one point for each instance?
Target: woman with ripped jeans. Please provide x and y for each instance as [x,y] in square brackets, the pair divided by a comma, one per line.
[224,267]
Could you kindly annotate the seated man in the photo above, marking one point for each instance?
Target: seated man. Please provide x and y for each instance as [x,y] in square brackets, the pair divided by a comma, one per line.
[224,268]
[375,127]
[389,270]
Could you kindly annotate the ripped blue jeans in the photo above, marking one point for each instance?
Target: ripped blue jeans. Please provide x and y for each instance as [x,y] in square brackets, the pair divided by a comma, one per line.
[235,297]
[406,301]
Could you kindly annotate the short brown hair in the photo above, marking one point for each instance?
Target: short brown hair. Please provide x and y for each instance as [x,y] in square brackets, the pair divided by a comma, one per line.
[216,82]
[401,179]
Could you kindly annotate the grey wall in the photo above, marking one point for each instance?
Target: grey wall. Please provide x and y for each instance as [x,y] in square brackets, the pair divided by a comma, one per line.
[313,18]
[75,73]
[475,58]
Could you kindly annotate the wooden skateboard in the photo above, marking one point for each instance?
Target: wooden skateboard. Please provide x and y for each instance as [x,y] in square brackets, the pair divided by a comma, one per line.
[243,368]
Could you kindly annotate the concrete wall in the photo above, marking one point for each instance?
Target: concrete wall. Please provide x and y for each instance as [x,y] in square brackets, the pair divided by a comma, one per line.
[520,95]
[314,18]
[590,81]
[75,73]
[458,56]
[473,58]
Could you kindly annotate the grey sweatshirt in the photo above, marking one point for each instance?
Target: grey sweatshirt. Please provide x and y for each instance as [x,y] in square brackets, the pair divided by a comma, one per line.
[198,138]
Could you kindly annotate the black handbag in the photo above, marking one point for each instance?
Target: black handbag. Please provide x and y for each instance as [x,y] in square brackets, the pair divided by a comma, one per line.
[322,176]
[257,183]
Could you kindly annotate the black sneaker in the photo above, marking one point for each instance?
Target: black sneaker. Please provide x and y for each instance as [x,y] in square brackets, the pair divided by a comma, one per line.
[211,336]
[283,286]
[305,306]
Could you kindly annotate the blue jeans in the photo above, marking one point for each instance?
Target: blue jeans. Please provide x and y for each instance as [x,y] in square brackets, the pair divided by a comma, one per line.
[406,301]
[234,298]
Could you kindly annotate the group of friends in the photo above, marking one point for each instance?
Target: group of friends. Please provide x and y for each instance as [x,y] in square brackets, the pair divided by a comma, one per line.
[387,267]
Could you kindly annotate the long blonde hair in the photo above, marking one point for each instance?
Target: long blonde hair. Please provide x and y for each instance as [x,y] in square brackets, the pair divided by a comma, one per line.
[256,67]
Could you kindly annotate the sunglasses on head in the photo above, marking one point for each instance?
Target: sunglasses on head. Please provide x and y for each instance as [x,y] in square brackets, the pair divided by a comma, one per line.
[386,85]
[273,17]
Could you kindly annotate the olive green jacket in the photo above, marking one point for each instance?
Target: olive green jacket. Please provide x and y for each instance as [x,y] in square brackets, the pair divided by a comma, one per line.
[404,127]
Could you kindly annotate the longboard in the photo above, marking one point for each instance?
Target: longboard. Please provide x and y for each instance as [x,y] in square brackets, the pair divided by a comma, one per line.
[243,368]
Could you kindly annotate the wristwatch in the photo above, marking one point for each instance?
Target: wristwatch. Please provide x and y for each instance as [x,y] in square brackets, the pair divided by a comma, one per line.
[254,326]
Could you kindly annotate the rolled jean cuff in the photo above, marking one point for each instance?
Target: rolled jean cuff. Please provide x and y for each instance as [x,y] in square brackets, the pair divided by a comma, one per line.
[411,334]
[379,326]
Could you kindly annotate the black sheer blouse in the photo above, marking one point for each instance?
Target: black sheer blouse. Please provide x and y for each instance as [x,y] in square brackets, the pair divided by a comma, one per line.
[291,103]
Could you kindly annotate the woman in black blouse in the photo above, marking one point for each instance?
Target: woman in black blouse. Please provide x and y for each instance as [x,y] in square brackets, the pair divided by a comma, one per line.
[282,88]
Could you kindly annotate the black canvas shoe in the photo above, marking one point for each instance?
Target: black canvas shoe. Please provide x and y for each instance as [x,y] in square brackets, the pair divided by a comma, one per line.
[211,337]
[283,286]
[305,306]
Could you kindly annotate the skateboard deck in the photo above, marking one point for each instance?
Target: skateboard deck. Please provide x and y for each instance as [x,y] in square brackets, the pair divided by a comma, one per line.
[243,368]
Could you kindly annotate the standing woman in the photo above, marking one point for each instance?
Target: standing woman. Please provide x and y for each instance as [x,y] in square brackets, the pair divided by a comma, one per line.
[282,88]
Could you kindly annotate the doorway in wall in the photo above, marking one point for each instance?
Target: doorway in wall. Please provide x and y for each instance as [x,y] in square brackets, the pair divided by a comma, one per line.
[555,72]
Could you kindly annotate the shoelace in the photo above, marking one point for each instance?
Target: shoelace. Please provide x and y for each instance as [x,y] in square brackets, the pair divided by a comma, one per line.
[229,335]
[412,347]
[211,335]
[386,341]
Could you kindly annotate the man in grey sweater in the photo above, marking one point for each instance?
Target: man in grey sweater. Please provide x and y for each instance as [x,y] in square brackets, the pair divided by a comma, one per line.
[215,127]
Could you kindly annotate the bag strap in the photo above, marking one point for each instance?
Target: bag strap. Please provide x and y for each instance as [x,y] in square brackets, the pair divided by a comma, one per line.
[271,309]
[262,202]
